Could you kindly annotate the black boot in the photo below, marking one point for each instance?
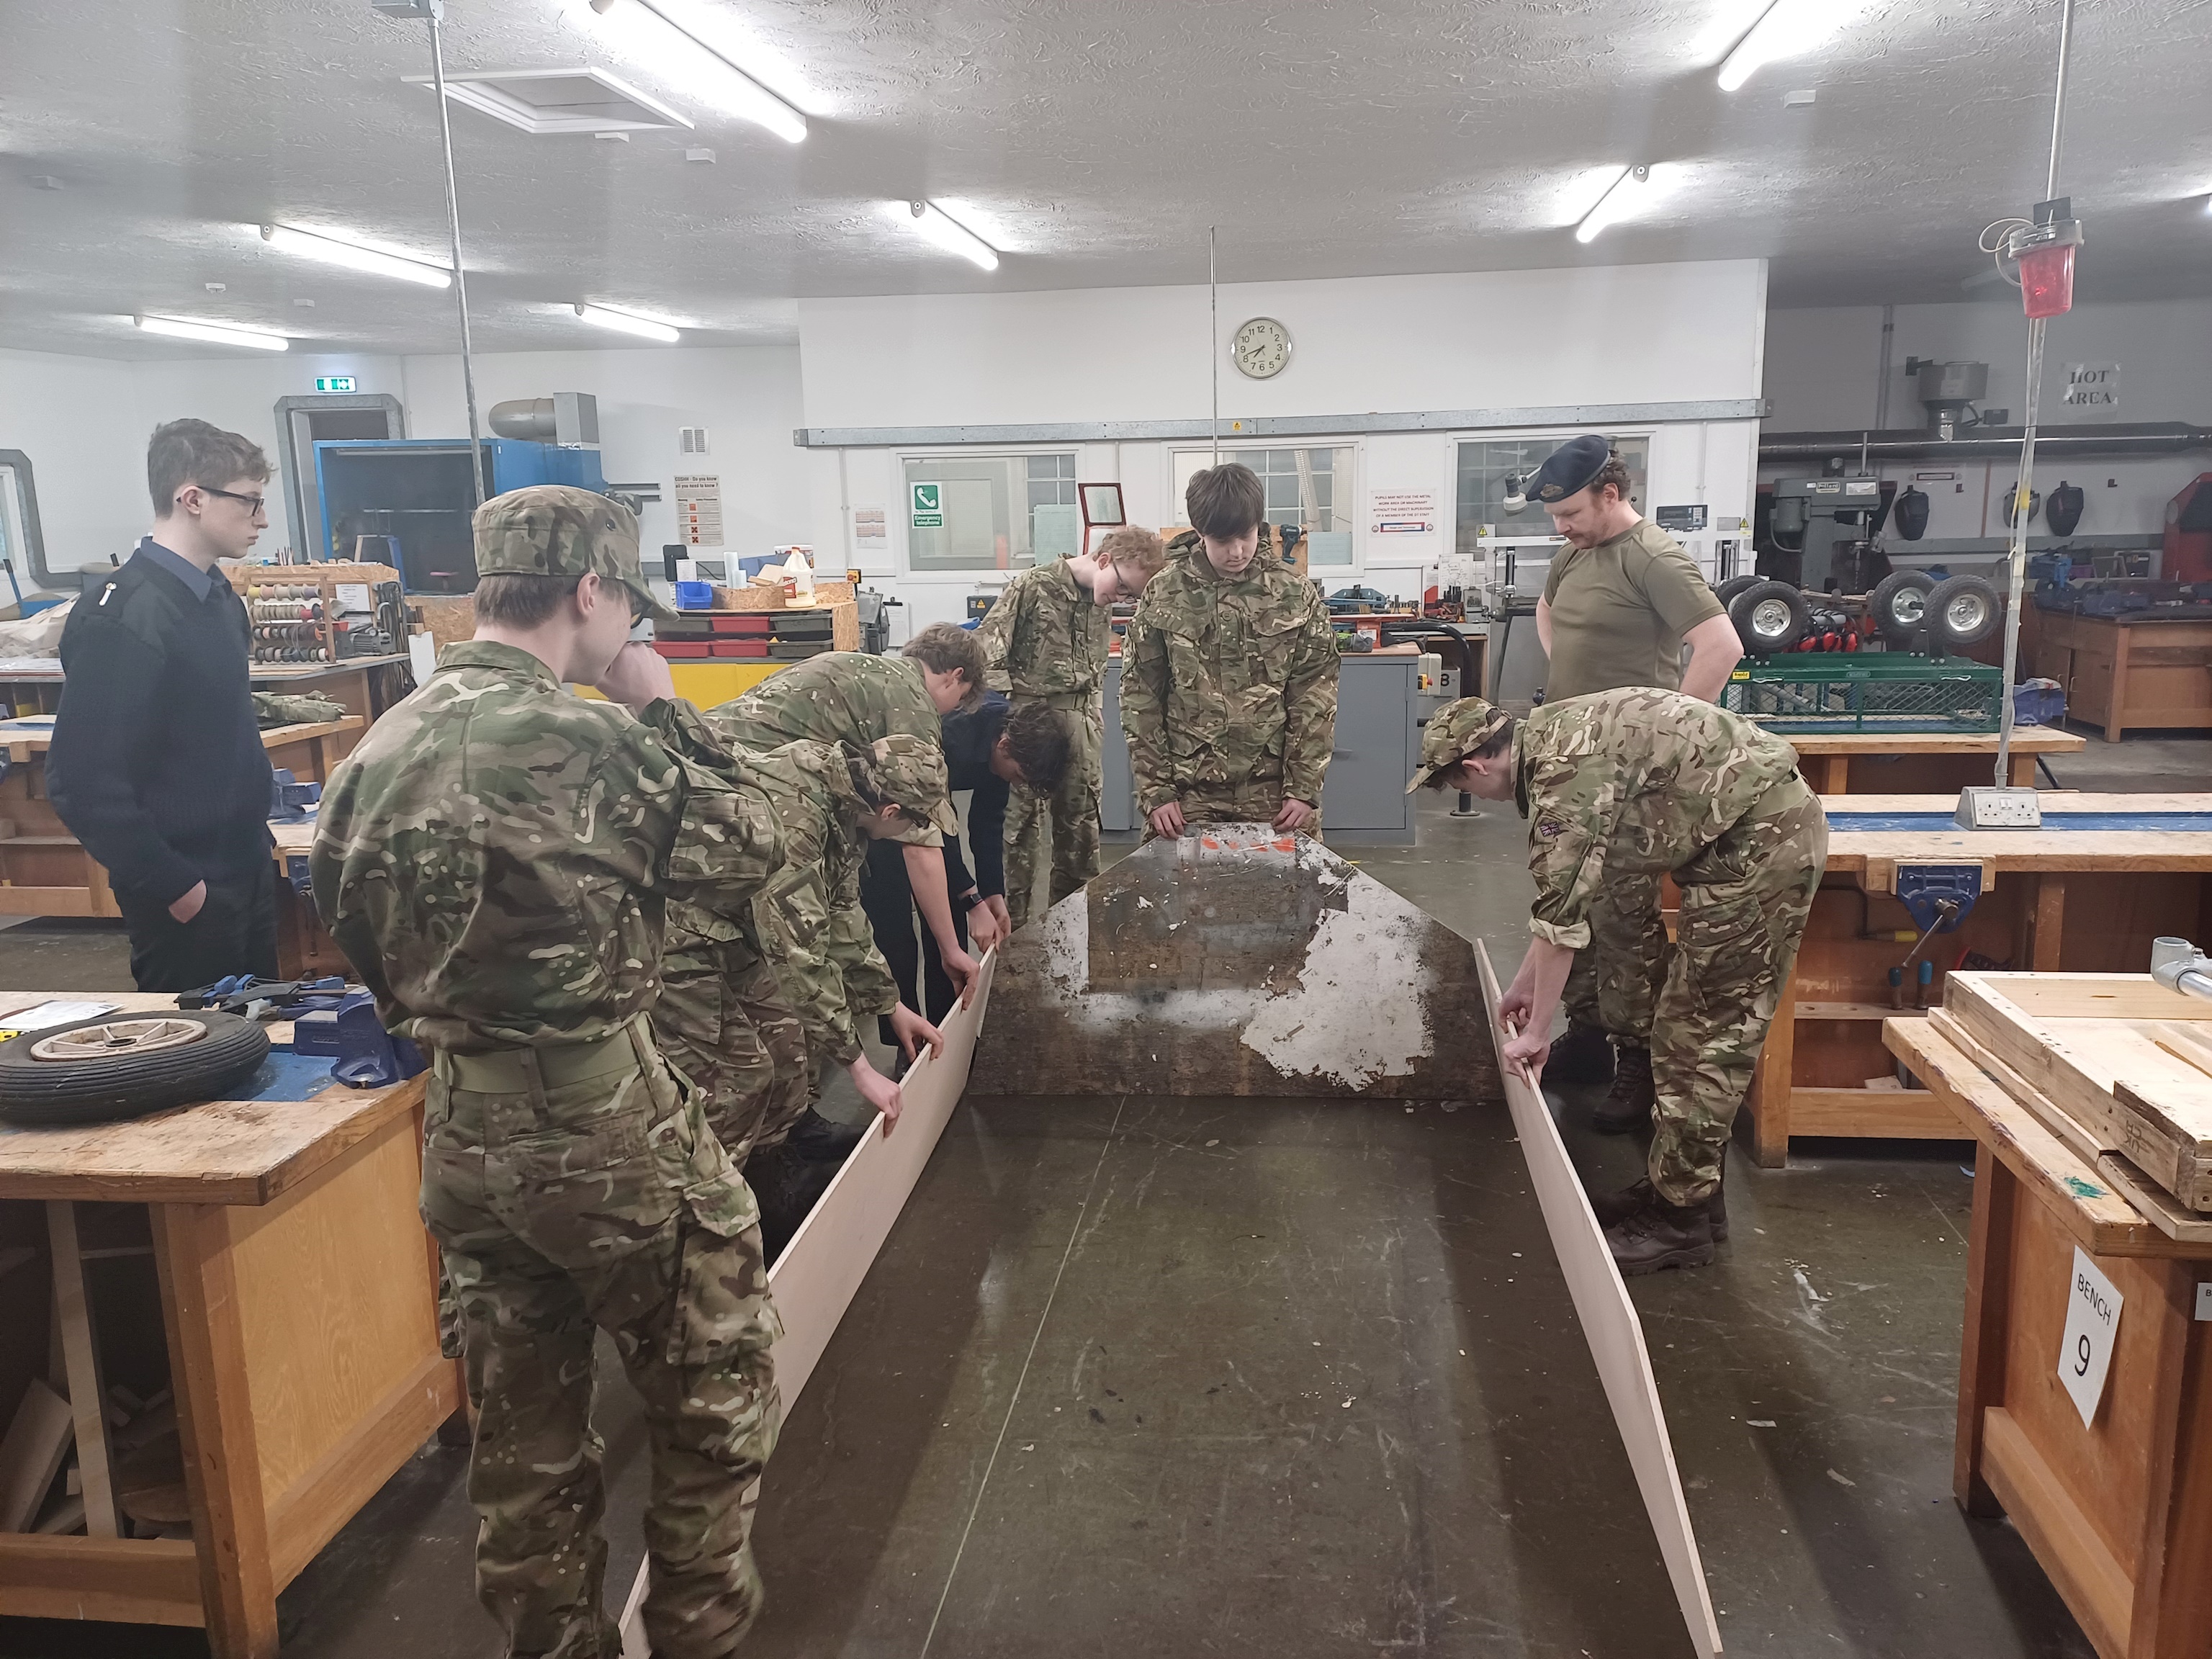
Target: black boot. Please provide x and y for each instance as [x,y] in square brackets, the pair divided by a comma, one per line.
[1626,1107]
[1618,1206]
[1584,1055]
[1660,1234]
[786,1185]
[818,1140]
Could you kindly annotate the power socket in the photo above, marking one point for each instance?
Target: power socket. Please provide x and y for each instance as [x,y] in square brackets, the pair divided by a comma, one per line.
[1991,808]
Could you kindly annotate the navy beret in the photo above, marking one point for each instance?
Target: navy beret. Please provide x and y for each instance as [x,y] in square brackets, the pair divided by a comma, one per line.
[1573,465]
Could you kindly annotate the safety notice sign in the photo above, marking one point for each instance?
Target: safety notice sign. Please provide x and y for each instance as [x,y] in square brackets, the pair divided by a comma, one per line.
[928,506]
[699,509]
[1402,512]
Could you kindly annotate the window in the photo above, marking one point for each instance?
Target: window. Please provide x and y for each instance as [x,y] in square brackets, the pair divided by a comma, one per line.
[989,512]
[1488,467]
[1311,489]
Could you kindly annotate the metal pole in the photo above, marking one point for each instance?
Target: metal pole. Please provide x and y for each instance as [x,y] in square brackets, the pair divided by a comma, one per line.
[1881,374]
[460,280]
[1213,347]
[2016,560]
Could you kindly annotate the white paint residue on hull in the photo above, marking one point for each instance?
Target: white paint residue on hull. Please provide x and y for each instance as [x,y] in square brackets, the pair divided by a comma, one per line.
[1351,1017]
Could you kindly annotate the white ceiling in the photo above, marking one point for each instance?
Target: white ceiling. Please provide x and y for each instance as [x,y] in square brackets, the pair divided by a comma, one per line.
[1092,141]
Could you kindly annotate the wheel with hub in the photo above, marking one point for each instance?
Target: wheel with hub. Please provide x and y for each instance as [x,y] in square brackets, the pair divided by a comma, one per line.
[1962,611]
[1727,591]
[1770,616]
[125,1066]
[1898,606]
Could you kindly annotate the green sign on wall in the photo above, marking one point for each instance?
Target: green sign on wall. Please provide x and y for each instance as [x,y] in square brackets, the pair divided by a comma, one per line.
[334,383]
[928,506]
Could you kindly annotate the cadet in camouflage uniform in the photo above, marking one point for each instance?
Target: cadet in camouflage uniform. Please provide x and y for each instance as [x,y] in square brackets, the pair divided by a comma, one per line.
[1638,782]
[1229,674]
[852,698]
[495,859]
[1047,639]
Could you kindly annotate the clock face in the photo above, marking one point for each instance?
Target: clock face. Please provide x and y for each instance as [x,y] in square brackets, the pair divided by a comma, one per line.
[1261,348]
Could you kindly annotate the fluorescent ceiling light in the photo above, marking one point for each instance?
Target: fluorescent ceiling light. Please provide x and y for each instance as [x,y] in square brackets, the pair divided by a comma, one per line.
[622,322]
[1620,200]
[1785,29]
[932,224]
[354,257]
[213,333]
[683,59]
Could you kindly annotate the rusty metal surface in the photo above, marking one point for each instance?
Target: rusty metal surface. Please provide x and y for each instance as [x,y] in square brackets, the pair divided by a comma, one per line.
[1236,960]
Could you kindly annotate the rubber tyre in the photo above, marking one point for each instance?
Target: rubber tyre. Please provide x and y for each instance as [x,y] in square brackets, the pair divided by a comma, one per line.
[1727,591]
[1770,617]
[1899,620]
[1964,610]
[105,1089]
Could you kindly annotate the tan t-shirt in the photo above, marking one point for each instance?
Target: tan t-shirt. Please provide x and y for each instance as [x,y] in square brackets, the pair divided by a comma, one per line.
[1619,610]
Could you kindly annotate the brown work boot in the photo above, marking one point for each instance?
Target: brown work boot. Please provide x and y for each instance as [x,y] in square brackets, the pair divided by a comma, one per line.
[1583,1055]
[1618,1206]
[1660,1234]
[1627,1105]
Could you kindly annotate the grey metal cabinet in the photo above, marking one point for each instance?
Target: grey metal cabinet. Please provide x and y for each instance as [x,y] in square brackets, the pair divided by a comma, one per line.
[1379,743]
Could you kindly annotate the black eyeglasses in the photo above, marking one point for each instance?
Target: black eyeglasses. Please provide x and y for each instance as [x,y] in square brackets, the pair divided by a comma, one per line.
[255,505]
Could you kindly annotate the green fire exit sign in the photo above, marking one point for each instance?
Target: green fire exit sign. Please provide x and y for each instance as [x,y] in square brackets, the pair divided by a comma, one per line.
[333,382]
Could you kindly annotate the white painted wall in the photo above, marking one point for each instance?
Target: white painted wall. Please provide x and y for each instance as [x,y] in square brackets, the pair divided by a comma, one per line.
[1822,373]
[1652,333]
[71,416]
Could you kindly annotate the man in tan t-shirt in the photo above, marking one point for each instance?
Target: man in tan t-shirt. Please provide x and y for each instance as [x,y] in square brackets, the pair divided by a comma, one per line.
[1622,600]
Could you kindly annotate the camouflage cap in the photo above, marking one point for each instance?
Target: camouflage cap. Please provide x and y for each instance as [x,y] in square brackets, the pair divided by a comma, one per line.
[559,530]
[1453,732]
[910,771]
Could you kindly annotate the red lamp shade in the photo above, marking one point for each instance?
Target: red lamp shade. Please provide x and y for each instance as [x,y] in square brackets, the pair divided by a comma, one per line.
[2046,280]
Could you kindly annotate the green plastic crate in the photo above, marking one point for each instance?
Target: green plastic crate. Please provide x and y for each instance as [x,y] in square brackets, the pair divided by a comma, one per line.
[1878,691]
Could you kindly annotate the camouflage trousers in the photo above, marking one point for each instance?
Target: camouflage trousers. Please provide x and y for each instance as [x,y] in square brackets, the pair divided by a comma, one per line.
[577,1190]
[724,1021]
[1615,981]
[1745,899]
[1068,817]
[1257,800]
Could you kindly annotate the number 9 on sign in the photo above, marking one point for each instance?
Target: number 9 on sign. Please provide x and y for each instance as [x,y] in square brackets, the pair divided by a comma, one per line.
[2093,1325]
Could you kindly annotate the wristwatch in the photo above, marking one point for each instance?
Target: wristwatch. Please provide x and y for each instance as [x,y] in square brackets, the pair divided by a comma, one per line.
[969,899]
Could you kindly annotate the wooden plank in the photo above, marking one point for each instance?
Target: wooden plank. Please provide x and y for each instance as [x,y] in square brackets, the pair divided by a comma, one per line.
[148,1580]
[2034,740]
[31,1453]
[2047,922]
[1771,1095]
[2093,996]
[88,1392]
[2096,1586]
[814,1279]
[1981,1348]
[2059,1173]
[214,1420]
[1615,1335]
[1882,1114]
[2181,1226]
[2055,802]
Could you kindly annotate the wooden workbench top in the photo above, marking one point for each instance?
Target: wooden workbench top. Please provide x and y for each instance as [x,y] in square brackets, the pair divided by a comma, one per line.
[34,670]
[238,1151]
[2025,740]
[36,734]
[1875,854]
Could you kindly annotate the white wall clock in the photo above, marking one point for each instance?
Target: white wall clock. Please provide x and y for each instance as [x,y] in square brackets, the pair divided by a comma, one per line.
[1261,349]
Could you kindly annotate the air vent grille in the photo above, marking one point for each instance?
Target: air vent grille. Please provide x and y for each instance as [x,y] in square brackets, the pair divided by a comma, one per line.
[694,439]
[541,101]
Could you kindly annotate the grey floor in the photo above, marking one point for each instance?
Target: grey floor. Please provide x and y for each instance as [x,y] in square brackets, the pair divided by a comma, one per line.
[1809,1381]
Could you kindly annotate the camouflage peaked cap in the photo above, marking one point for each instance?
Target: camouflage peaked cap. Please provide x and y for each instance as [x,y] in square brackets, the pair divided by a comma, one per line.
[558,530]
[910,772]
[1455,731]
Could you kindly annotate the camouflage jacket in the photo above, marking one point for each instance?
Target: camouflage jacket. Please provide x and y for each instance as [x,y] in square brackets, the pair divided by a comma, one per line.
[830,974]
[273,709]
[1045,638]
[840,697]
[1630,782]
[495,857]
[1227,681]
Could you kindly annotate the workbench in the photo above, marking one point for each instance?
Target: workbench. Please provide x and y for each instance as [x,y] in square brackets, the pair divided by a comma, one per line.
[45,871]
[1922,763]
[2142,670]
[296,1291]
[2118,1510]
[2088,898]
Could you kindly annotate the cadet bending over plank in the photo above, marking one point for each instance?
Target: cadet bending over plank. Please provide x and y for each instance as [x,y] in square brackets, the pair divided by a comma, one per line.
[495,859]
[1639,783]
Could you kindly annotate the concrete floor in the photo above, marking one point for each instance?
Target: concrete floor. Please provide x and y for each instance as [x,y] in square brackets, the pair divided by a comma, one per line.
[1808,1376]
